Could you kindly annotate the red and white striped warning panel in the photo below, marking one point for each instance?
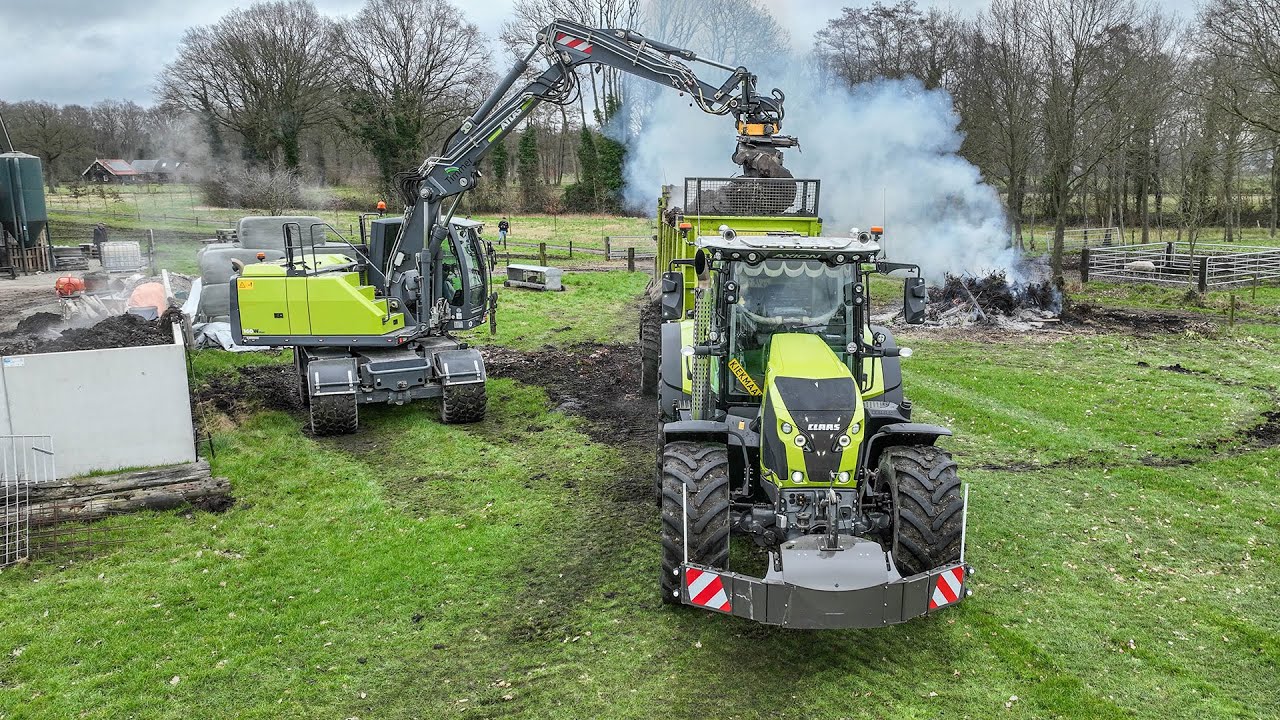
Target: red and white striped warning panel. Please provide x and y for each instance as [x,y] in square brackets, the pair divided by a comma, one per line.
[706,590]
[948,588]
[574,43]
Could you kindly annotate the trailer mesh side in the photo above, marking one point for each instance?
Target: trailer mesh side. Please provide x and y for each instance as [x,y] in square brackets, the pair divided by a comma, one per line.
[751,196]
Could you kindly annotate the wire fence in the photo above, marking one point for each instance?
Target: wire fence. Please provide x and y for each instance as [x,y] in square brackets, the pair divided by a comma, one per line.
[619,252]
[1205,266]
[25,460]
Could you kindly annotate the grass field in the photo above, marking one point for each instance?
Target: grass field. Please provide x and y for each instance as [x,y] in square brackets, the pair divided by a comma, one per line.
[1123,524]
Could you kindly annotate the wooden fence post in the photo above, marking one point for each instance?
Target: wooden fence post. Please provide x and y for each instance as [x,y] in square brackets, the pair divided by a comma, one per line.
[1202,282]
[542,254]
[608,255]
[631,259]
[1084,264]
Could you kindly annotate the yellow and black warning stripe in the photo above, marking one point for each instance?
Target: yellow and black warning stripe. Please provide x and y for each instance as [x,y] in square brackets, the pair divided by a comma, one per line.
[741,373]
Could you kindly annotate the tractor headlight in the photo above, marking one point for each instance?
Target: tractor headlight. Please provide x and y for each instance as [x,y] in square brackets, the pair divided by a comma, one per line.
[786,428]
[801,440]
[797,476]
[843,476]
[844,441]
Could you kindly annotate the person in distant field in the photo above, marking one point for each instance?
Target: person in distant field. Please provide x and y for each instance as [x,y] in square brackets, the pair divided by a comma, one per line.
[382,208]
[504,227]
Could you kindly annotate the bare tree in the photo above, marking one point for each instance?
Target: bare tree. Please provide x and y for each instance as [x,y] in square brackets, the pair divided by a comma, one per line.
[413,70]
[1247,33]
[1082,73]
[265,72]
[57,135]
[892,41]
[119,129]
[1000,94]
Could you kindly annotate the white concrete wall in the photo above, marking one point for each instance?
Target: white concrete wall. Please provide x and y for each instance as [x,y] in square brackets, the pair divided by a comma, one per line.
[104,409]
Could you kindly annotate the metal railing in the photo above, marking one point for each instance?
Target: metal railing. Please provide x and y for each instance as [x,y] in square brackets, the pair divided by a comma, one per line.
[639,247]
[1078,238]
[1210,266]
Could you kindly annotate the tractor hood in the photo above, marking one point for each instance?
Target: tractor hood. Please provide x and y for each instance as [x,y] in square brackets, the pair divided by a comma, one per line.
[812,414]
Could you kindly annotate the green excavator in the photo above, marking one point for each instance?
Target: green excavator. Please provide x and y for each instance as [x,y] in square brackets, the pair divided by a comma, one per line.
[372,322]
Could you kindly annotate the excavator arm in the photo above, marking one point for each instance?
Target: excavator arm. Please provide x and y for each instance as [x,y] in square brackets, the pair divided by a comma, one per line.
[413,269]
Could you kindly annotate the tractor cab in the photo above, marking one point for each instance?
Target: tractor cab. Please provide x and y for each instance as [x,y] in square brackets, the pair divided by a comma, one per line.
[761,288]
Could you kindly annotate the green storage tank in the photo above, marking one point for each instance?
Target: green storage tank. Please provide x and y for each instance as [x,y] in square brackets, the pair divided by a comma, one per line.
[22,210]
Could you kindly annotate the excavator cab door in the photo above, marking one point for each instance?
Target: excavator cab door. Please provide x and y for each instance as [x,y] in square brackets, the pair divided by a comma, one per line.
[466,279]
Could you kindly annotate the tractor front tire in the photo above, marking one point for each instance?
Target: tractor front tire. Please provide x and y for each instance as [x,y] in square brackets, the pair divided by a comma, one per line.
[334,414]
[700,469]
[650,349]
[463,403]
[928,506]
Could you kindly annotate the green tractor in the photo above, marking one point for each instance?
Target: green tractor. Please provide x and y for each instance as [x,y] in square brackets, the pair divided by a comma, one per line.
[783,419]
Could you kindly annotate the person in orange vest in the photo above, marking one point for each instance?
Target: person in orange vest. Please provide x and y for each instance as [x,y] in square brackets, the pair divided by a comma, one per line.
[382,208]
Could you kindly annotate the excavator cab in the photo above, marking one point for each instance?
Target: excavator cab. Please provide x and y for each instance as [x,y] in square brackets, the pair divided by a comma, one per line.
[465,275]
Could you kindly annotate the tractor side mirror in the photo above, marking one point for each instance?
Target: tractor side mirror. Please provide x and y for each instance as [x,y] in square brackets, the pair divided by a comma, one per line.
[914,300]
[672,295]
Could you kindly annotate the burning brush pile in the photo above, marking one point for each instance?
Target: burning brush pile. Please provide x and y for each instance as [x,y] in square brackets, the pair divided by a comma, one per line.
[993,300]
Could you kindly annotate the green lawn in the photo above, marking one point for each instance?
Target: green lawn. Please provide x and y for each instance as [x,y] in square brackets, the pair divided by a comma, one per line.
[1123,526]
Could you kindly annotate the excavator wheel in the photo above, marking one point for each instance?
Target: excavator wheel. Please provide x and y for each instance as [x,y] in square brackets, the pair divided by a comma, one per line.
[334,414]
[650,349]
[463,403]
[304,389]
[701,469]
[928,506]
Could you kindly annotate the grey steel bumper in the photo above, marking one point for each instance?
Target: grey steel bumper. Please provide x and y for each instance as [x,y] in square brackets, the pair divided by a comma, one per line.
[855,587]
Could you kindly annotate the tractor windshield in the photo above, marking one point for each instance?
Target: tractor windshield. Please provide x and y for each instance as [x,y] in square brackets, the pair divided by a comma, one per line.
[781,296]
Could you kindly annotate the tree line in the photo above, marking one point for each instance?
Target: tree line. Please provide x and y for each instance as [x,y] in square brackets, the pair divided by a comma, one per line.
[1079,111]
[1097,111]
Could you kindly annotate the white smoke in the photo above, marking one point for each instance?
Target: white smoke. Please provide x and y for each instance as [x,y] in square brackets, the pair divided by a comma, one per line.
[885,153]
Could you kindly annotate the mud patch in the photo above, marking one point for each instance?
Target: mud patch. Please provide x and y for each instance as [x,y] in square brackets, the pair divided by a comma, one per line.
[218,402]
[254,387]
[1082,316]
[1267,433]
[117,331]
[599,383]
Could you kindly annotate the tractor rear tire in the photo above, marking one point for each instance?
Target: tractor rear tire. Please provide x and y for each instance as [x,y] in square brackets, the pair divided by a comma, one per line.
[463,403]
[928,506]
[650,349]
[703,469]
[334,414]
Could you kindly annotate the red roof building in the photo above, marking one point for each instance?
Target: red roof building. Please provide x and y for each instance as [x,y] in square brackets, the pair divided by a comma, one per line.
[109,171]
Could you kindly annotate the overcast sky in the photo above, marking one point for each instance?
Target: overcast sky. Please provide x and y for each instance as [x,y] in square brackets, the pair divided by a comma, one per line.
[82,51]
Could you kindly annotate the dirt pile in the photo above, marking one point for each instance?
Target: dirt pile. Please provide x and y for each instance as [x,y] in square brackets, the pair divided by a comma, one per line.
[117,331]
[38,323]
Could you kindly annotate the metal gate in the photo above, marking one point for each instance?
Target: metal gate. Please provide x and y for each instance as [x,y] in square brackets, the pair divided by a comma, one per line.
[25,460]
